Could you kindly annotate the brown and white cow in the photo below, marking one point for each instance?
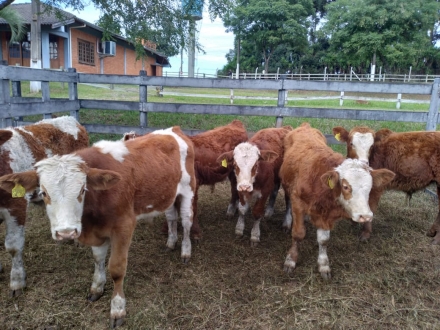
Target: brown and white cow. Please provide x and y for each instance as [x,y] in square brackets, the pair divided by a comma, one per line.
[20,148]
[323,184]
[256,165]
[208,146]
[413,156]
[97,194]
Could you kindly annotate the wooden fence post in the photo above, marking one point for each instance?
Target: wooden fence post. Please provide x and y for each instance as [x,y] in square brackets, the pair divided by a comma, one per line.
[431,124]
[232,96]
[281,102]
[143,120]
[73,94]
[45,96]
[16,92]
[341,101]
[5,97]
[399,99]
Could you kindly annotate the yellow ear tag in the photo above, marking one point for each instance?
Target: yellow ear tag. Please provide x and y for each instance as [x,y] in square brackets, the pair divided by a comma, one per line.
[18,191]
[224,163]
[330,183]
[338,137]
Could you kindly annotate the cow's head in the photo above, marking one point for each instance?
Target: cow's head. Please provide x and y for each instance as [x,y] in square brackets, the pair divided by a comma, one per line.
[352,182]
[245,158]
[359,141]
[63,182]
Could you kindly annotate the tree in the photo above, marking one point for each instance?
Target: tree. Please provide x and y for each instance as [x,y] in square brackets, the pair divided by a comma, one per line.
[15,21]
[161,21]
[394,32]
[263,26]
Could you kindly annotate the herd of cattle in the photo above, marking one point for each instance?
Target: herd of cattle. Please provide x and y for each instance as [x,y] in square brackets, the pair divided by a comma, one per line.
[96,194]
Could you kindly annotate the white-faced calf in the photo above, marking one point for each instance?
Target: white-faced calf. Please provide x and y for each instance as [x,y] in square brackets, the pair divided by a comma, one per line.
[20,148]
[413,156]
[256,165]
[323,184]
[97,194]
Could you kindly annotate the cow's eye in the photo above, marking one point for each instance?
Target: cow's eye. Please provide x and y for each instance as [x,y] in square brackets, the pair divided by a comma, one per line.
[42,193]
[346,187]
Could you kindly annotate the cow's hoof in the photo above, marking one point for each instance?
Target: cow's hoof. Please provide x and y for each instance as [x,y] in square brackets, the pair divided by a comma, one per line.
[364,237]
[94,296]
[196,239]
[436,239]
[185,260]
[15,293]
[254,243]
[114,323]
[326,276]
[431,233]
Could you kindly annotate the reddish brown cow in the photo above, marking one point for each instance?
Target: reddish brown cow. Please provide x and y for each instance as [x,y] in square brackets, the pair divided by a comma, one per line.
[95,195]
[208,146]
[20,148]
[325,186]
[256,165]
[413,156]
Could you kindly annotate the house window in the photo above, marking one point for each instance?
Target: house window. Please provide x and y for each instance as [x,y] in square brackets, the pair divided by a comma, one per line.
[86,52]
[53,47]
[14,50]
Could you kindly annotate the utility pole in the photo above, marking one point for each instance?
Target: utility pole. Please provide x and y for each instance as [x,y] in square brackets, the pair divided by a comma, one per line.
[35,86]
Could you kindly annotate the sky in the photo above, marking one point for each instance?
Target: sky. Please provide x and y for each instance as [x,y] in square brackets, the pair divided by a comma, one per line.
[212,37]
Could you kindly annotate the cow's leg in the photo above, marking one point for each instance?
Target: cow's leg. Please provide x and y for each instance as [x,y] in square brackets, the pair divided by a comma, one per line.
[233,203]
[243,207]
[298,234]
[14,243]
[99,278]
[435,228]
[323,262]
[117,267]
[196,232]
[171,216]
[287,223]
[257,213]
[272,199]
[187,215]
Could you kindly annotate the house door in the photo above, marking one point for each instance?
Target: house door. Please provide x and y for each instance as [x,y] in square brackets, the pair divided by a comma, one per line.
[54,55]
[19,53]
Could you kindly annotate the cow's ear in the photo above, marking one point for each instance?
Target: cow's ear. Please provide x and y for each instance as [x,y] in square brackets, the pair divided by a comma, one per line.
[101,179]
[340,134]
[226,158]
[382,134]
[27,180]
[268,155]
[5,135]
[330,179]
[381,177]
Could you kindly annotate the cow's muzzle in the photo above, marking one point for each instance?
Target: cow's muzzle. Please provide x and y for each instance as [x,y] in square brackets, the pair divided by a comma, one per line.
[66,234]
[245,187]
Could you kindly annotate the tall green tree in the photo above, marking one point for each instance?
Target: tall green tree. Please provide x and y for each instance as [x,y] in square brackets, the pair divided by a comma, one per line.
[393,32]
[164,22]
[263,26]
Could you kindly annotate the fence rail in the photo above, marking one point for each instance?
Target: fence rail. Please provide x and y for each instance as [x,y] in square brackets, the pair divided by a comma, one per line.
[14,106]
[365,77]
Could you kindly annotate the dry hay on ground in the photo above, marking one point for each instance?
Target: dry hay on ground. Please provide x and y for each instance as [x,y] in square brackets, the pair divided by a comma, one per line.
[390,282]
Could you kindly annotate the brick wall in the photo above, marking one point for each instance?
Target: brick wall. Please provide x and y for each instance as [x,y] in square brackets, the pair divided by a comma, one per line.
[111,64]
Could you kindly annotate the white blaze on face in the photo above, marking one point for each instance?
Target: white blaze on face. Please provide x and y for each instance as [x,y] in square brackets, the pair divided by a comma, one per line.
[362,143]
[63,185]
[246,156]
[356,183]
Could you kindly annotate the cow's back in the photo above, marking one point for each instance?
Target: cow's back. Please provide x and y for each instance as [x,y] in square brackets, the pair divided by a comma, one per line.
[306,157]
[151,172]
[210,145]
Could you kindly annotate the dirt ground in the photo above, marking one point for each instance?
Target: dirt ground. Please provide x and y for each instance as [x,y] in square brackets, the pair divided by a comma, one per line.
[390,282]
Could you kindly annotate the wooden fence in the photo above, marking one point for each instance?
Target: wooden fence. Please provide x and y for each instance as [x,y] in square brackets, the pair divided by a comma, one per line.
[13,105]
